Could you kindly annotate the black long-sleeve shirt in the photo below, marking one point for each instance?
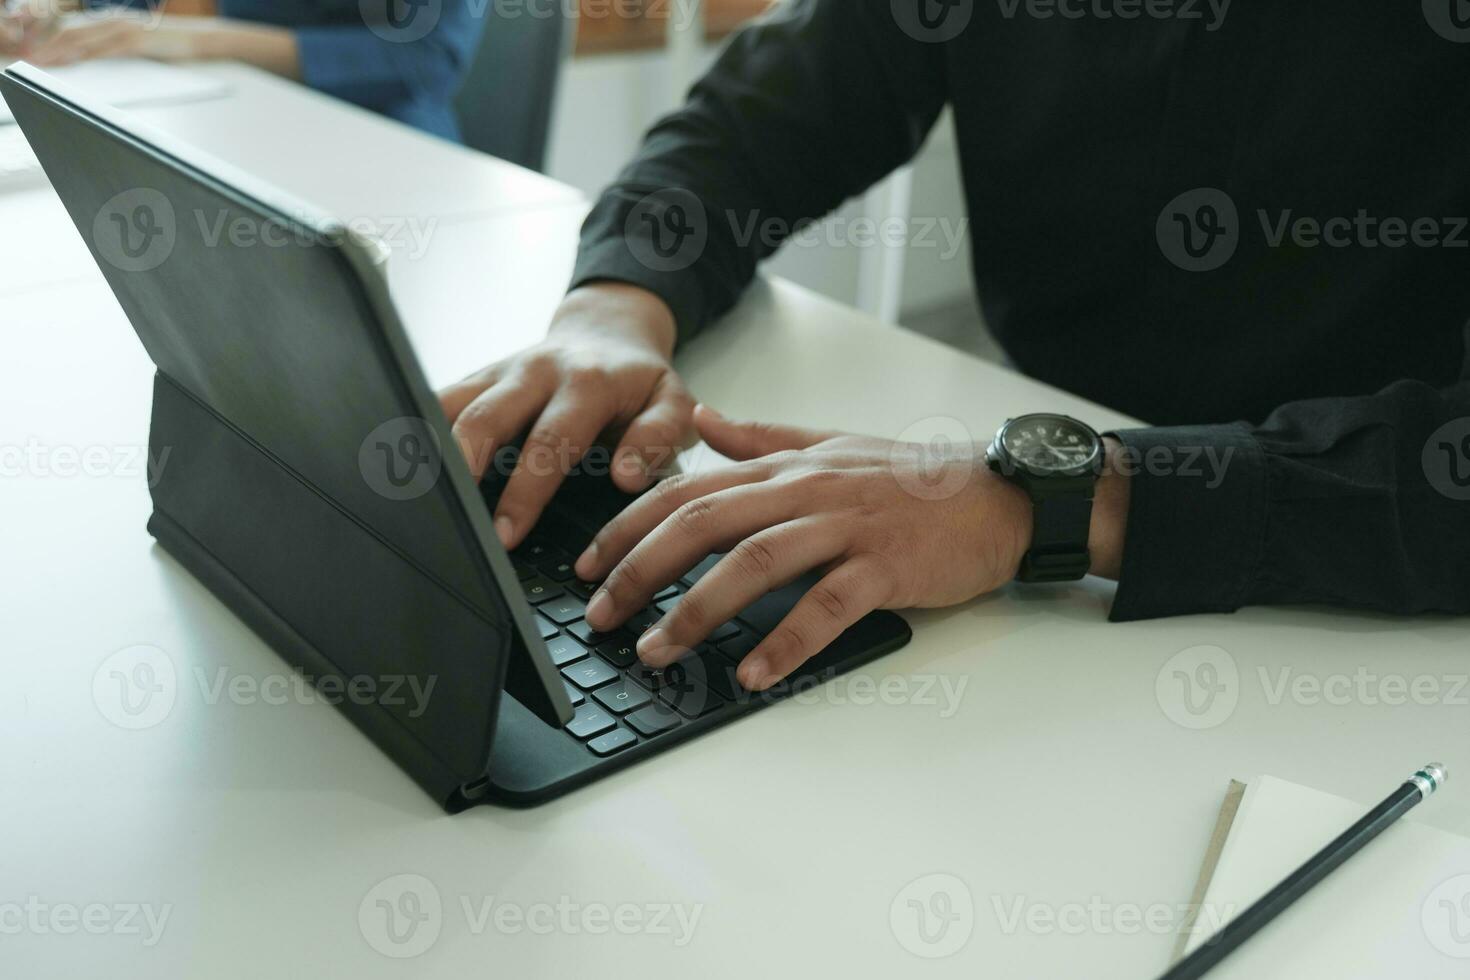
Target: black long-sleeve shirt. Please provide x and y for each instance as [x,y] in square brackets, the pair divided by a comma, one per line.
[1136,188]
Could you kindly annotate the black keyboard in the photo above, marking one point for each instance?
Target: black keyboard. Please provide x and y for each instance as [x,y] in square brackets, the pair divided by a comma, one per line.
[618,701]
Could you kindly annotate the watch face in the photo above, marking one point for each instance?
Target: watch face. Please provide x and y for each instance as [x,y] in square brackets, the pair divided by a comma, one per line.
[1047,444]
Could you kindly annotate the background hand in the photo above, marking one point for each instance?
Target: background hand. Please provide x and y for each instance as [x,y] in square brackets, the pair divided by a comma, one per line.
[84,39]
[603,368]
[120,32]
[23,26]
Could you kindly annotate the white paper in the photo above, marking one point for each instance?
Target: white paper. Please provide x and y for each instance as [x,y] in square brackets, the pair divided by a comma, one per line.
[1398,908]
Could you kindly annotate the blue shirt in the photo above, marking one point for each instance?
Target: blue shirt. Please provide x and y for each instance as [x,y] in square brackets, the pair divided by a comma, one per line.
[406,64]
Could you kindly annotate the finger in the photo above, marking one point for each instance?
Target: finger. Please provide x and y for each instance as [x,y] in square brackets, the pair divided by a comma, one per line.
[761,563]
[563,433]
[38,28]
[28,39]
[494,418]
[618,536]
[704,526]
[654,436]
[116,46]
[842,597]
[47,55]
[59,52]
[747,440]
[455,398]
[75,44]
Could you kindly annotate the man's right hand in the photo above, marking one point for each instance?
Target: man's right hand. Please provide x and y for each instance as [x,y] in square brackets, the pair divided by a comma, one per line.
[604,367]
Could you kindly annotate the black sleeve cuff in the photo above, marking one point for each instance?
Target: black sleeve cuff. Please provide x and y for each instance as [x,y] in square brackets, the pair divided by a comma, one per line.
[617,249]
[1196,520]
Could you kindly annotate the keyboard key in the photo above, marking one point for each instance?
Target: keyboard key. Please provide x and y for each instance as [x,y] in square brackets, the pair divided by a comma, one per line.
[719,676]
[646,676]
[591,720]
[533,549]
[699,571]
[545,550]
[563,609]
[681,684]
[546,627]
[722,632]
[640,621]
[523,571]
[564,650]
[561,533]
[557,566]
[589,673]
[582,590]
[689,686]
[667,591]
[614,741]
[690,705]
[619,653]
[576,696]
[737,646]
[766,612]
[667,605]
[590,636]
[538,589]
[622,697]
[653,719]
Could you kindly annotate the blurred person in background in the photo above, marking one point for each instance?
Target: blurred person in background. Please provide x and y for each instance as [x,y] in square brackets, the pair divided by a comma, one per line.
[406,63]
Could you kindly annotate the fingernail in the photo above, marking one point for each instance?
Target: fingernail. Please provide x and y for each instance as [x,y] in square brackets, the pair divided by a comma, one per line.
[587,562]
[712,411]
[600,609]
[753,673]
[652,642]
[633,468]
[505,529]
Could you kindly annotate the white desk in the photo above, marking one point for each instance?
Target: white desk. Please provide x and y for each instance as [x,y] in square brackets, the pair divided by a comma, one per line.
[347,161]
[1058,781]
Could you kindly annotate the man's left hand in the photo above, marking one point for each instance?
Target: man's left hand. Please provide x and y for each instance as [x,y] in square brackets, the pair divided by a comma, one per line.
[889,524]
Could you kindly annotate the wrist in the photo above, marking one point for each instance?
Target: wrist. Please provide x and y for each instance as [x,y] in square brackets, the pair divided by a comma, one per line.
[1007,518]
[618,310]
[206,39]
[1109,515]
[221,39]
[185,38]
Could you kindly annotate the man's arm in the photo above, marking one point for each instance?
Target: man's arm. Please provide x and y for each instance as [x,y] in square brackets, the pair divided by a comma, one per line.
[1360,502]
[1351,502]
[804,109]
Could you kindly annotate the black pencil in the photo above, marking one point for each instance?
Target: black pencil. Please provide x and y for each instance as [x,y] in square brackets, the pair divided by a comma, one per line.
[1418,787]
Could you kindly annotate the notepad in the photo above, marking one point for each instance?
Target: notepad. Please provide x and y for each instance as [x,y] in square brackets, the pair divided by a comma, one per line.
[1398,908]
[133,81]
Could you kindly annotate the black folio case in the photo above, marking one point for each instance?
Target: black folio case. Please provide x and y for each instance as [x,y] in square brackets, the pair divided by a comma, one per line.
[282,370]
[275,517]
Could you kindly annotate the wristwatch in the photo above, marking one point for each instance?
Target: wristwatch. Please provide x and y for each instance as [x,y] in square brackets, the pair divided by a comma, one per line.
[1057,460]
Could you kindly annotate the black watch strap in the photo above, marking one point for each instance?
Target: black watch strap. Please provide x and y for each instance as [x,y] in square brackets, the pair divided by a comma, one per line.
[1060,528]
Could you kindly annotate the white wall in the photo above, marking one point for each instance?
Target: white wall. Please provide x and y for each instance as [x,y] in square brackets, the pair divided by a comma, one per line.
[606,103]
